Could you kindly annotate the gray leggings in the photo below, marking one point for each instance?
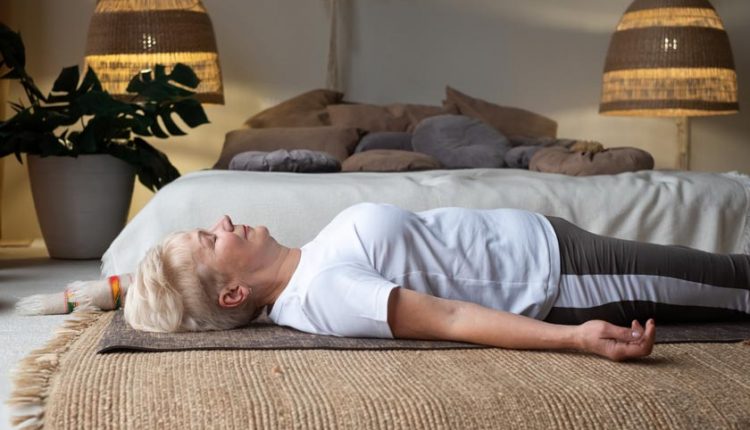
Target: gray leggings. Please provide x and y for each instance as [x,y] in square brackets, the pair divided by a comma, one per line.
[620,280]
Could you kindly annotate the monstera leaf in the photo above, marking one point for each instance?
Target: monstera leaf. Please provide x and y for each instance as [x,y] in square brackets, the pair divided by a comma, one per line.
[66,88]
[151,165]
[12,54]
[13,62]
[165,94]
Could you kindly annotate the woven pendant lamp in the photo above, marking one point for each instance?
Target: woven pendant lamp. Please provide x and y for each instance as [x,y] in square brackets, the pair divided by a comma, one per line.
[670,58]
[127,36]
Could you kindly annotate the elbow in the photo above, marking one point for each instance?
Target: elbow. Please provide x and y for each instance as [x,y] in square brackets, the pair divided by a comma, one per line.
[455,316]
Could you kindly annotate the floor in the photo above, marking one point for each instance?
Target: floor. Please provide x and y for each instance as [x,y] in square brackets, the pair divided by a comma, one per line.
[25,271]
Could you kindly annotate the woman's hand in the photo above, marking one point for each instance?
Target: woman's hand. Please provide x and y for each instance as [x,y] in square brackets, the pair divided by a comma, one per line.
[414,315]
[615,342]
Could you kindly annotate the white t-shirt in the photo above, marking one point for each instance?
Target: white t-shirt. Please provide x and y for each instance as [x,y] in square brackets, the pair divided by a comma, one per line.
[505,259]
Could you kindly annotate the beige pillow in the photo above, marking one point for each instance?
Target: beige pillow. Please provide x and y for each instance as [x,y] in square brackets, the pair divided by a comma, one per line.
[607,162]
[389,160]
[416,113]
[507,120]
[336,141]
[370,118]
[305,110]
[396,117]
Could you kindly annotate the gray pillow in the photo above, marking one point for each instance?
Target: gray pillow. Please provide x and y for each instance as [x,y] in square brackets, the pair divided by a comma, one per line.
[460,142]
[385,140]
[282,160]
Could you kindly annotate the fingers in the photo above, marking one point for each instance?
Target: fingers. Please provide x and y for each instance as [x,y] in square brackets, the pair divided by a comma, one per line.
[623,334]
[619,343]
[650,332]
[637,330]
[645,345]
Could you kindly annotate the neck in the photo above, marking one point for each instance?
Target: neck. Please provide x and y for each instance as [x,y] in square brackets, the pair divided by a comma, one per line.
[281,272]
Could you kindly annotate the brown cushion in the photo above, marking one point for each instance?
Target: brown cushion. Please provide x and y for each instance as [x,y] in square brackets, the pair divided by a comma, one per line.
[375,118]
[336,141]
[607,162]
[389,160]
[507,120]
[371,118]
[305,110]
[416,113]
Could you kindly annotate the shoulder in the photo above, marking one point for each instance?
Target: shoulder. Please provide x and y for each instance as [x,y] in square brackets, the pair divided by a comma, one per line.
[364,217]
[348,300]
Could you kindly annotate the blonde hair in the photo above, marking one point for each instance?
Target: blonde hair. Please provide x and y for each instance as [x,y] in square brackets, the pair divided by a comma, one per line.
[173,291]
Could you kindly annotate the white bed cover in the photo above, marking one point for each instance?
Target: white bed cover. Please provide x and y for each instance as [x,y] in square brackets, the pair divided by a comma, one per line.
[707,211]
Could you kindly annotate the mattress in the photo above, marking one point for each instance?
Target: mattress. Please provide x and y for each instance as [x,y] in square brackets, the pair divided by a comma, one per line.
[706,211]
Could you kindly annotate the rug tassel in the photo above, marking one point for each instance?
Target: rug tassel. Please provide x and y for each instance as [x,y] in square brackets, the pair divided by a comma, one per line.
[31,378]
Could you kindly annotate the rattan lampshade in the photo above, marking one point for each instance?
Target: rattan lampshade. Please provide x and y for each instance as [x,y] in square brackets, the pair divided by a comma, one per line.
[127,36]
[669,58]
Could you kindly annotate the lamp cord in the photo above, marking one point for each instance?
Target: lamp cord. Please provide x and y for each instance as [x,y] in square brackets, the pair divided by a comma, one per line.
[332,76]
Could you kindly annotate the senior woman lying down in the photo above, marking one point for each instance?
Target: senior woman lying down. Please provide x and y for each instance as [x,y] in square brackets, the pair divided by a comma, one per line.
[502,277]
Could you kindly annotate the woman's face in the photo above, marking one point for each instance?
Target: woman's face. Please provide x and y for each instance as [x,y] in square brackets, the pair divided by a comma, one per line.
[231,249]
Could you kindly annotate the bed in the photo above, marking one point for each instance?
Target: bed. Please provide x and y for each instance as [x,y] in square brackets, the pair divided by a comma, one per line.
[708,211]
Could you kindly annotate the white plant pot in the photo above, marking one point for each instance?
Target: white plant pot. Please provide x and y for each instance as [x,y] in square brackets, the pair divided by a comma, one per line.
[82,203]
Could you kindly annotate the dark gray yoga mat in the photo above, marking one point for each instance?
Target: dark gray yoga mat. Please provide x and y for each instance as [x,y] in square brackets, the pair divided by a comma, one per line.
[119,336]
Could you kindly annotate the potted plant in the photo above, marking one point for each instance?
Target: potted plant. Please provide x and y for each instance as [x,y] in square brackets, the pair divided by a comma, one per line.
[84,147]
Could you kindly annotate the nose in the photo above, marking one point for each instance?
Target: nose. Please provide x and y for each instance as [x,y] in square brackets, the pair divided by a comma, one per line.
[224,223]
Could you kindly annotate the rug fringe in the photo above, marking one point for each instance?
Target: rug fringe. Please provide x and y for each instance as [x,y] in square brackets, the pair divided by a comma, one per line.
[33,374]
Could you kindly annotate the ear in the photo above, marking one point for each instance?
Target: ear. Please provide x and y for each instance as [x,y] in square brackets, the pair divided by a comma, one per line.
[233,296]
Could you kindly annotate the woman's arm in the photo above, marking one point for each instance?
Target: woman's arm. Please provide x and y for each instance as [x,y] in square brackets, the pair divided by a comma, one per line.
[413,315]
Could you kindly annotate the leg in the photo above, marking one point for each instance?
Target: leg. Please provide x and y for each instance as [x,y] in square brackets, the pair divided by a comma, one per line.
[620,280]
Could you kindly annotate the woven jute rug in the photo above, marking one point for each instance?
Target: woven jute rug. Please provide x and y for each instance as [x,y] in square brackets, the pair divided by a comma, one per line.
[68,385]
[119,336]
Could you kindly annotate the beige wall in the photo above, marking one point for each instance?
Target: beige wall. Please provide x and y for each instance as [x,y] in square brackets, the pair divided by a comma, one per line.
[543,55]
